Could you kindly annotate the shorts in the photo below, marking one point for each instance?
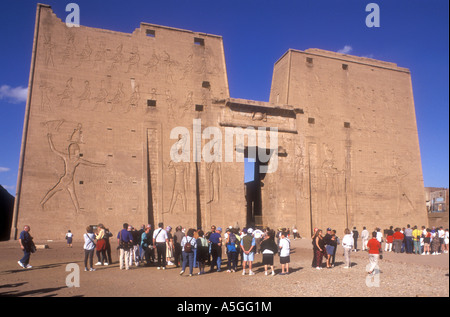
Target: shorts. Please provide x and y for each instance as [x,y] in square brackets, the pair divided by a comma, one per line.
[285,259]
[249,257]
[267,259]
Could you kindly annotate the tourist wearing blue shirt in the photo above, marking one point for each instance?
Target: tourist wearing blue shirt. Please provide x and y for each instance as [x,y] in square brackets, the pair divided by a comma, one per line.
[216,249]
[26,243]
[125,240]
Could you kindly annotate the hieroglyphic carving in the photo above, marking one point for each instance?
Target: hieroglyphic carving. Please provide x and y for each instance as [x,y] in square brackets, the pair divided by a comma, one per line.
[72,160]
[67,93]
[153,94]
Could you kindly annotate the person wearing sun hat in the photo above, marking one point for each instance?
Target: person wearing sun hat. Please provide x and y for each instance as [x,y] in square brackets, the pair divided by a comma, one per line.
[248,247]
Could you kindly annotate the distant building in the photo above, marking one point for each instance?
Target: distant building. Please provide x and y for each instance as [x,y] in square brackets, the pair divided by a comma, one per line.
[437,206]
[108,111]
[6,213]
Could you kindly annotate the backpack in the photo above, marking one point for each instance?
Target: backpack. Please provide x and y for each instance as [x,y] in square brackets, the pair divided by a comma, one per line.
[233,238]
[188,246]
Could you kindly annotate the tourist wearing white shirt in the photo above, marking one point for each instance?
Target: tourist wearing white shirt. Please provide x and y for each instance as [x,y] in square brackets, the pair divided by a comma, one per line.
[285,250]
[160,238]
[446,240]
[347,244]
[364,238]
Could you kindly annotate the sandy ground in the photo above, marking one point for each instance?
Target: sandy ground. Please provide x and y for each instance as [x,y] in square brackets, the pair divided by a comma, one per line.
[401,275]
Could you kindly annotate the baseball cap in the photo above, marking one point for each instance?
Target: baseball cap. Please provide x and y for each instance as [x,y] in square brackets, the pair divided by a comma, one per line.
[250,230]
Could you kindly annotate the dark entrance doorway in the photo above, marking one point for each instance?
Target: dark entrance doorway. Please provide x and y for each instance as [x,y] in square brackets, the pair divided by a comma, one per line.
[253,182]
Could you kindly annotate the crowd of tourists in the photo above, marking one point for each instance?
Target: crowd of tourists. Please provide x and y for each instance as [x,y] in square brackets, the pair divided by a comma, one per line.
[424,241]
[195,248]
[189,249]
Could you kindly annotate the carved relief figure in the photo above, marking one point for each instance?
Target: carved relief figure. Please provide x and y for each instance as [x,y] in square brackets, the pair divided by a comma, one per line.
[332,175]
[151,65]
[187,104]
[100,55]
[101,97]
[85,54]
[206,96]
[153,94]
[70,49]
[171,103]
[117,58]
[300,171]
[188,67]
[85,97]
[134,99]
[77,135]
[180,184]
[48,50]
[72,160]
[116,102]
[181,176]
[133,61]
[214,175]
[66,95]
[399,179]
[259,116]
[169,63]
[46,91]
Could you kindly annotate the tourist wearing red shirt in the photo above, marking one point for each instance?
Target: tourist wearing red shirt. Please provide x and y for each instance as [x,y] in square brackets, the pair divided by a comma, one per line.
[398,240]
[374,252]
[389,239]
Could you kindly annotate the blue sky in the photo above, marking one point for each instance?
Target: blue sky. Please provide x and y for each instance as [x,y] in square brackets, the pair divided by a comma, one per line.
[414,34]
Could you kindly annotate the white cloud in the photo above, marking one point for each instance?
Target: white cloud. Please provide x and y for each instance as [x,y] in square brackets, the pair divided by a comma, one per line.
[345,50]
[369,56]
[13,94]
[4,169]
[10,188]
